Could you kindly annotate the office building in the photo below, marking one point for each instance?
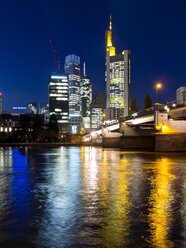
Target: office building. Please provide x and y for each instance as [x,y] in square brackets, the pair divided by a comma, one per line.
[181,96]
[117,78]
[72,69]
[59,99]
[86,98]
[97,111]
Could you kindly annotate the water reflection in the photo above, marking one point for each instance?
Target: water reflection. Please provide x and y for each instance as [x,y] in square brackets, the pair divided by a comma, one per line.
[5,189]
[118,208]
[106,196]
[160,203]
[90,197]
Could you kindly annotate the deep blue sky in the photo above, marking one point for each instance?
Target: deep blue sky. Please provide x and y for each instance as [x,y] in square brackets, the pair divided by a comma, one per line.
[154,31]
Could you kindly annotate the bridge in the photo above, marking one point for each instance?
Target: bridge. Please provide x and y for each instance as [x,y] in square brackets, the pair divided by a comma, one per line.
[160,118]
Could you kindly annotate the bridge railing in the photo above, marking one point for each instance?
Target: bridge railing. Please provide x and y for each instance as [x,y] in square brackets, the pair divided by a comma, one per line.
[148,111]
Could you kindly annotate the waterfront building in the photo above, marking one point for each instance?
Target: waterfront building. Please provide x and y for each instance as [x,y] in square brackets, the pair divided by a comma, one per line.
[181,96]
[117,77]
[86,98]
[59,99]
[97,109]
[72,69]
[9,122]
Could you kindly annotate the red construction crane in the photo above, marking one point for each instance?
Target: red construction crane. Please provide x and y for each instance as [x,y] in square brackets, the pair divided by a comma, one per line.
[56,56]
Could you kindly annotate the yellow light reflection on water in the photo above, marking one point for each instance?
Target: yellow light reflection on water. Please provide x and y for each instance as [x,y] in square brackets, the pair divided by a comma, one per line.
[105,181]
[89,167]
[115,229]
[160,201]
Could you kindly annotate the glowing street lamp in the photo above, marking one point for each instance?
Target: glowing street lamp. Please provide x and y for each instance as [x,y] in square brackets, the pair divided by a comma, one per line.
[158,86]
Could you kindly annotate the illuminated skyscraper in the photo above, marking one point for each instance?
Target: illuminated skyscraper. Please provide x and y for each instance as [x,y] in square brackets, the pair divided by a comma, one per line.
[86,98]
[97,111]
[117,78]
[58,99]
[72,69]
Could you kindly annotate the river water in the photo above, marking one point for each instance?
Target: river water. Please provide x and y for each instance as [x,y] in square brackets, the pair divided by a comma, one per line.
[91,197]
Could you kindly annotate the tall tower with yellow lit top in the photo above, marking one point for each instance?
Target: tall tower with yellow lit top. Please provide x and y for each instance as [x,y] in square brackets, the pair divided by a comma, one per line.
[117,77]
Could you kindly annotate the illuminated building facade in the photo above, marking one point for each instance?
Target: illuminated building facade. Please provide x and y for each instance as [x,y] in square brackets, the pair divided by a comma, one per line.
[181,96]
[72,69]
[117,78]
[59,99]
[97,111]
[86,98]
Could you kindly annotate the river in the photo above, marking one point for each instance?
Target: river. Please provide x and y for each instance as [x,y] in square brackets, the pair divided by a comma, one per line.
[91,197]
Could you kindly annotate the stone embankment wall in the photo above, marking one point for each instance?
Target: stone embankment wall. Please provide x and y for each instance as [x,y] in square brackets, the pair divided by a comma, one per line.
[130,143]
[170,142]
[158,143]
[111,142]
[146,143]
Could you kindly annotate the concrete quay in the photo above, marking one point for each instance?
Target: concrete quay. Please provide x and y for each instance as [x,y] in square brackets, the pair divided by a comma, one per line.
[156,142]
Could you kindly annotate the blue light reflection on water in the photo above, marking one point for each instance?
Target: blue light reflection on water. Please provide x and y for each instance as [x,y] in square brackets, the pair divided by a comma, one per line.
[90,197]
[63,213]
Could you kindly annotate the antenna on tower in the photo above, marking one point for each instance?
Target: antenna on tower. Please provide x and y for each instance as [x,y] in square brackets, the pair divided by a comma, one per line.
[56,56]
[110,26]
[84,71]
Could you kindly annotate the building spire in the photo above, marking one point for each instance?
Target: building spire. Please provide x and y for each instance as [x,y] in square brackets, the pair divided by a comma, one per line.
[84,71]
[110,26]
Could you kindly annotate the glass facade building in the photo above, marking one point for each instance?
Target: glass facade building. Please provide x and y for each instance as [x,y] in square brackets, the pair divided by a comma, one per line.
[86,99]
[97,111]
[181,96]
[72,69]
[59,99]
[117,77]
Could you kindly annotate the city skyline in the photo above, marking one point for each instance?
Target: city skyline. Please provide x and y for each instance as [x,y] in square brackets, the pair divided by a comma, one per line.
[157,45]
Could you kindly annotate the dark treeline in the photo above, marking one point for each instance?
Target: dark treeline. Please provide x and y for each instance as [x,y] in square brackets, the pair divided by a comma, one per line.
[28,128]
[147,103]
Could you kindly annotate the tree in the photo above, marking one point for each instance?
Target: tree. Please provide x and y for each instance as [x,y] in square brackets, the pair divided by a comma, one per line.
[147,102]
[38,123]
[53,130]
[133,105]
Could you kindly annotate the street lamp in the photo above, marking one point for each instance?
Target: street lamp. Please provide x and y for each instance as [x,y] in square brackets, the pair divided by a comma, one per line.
[158,86]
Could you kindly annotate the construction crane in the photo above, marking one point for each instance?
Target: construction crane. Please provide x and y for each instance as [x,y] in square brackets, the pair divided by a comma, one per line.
[56,56]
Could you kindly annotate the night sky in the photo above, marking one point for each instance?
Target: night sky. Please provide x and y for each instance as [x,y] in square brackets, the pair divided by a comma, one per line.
[154,31]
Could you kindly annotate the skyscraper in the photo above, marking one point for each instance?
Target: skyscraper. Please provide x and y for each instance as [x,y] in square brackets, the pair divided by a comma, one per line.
[58,99]
[117,78]
[181,95]
[86,98]
[72,69]
[97,111]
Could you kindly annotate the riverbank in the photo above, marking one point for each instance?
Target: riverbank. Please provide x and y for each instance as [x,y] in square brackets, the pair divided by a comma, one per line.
[48,144]
[156,143]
